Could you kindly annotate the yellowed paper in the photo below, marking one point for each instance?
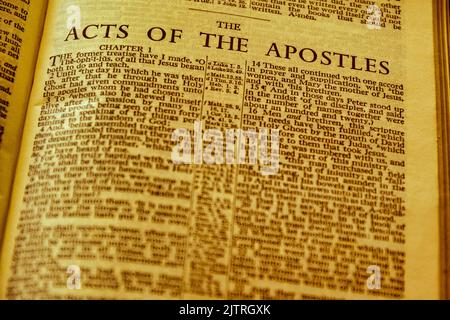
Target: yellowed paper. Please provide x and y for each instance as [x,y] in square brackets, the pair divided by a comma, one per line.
[21,27]
[351,212]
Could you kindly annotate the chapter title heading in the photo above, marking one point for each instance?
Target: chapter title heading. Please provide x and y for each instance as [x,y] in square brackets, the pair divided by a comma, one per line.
[234,43]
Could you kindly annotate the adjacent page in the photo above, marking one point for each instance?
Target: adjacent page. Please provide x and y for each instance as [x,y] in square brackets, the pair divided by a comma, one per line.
[129,183]
[442,34]
[20,33]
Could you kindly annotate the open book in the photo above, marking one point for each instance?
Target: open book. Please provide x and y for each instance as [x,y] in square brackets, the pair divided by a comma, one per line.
[235,149]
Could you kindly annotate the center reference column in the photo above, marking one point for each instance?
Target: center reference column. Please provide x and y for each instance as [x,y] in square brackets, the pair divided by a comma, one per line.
[208,259]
